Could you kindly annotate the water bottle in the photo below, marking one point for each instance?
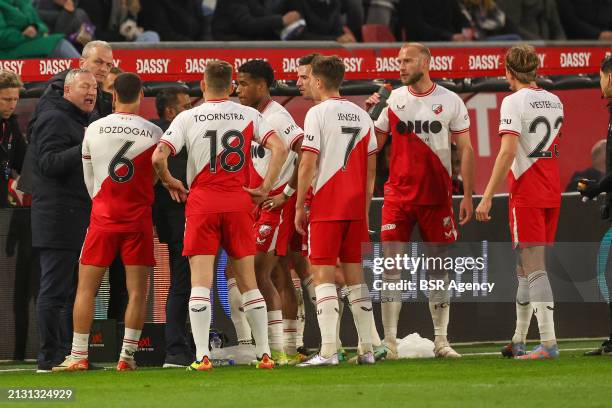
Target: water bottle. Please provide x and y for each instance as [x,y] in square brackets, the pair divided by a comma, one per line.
[221,362]
[384,92]
[215,343]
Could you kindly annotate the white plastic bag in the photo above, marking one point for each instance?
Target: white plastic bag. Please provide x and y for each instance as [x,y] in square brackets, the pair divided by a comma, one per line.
[415,346]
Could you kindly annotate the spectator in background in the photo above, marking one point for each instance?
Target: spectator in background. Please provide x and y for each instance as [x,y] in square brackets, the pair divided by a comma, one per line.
[109,83]
[19,237]
[323,20]
[586,19]
[353,16]
[237,20]
[433,20]
[62,16]
[488,22]
[535,19]
[597,169]
[60,210]
[117,20]
[381,11]
[175,20]
[169,219]
[23,34]
[12,142]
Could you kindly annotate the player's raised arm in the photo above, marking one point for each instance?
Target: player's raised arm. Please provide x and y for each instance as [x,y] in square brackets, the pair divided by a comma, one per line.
[175,187]
[503,162]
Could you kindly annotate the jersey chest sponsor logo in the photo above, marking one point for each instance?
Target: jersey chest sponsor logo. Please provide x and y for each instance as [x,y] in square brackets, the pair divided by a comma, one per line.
[258,152]
[418,127]
[152,65]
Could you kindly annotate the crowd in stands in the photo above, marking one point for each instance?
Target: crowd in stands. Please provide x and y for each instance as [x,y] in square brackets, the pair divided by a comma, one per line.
[60,28]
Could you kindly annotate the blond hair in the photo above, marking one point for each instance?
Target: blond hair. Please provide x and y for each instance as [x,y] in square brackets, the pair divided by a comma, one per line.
[218,76]
[9,79]
[522,61]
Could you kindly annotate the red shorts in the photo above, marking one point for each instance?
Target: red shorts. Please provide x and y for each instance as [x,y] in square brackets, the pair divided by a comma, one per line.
[436,222]
[329,241]
[101,247]
[531,226]
[233,231]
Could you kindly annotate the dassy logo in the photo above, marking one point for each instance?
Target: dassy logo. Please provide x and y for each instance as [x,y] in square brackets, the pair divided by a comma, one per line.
[145,344]
[437,108]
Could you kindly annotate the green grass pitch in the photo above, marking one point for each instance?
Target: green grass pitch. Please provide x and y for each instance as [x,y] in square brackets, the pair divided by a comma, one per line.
[481,379]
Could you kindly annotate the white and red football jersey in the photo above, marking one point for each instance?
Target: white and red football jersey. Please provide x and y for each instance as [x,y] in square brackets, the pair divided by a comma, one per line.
[288,131]
[535,116]
[117,152]
[342,134]
[217,136]
[421,126]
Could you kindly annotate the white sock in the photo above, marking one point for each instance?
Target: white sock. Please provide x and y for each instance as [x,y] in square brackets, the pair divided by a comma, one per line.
[290,336]
[309,285]
[80,345]
[275,330]
[199,315]
[376,342]
[439,308]
[391,306]
[327,316]
[130,343]
[540,294]
[340,312]
[361,306]
[243,330]
[524,311]
[301,314]
[254,307]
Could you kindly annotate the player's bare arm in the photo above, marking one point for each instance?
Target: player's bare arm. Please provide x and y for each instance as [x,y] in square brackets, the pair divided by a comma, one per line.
[280,199]
[466,152]
[306,172]
[279,155]
[175,187]
[503,162]
[370,184]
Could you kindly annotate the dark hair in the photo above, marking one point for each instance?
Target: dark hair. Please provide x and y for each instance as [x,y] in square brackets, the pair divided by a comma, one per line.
[258,69]
[330,70]
[307,59]
[606,64]
[218,76]
[168,97]
[116,70]
[128,86]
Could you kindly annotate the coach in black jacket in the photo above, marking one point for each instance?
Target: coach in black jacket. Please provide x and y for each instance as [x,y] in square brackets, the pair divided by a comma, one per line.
[592,188]
[169,218]
[60,210]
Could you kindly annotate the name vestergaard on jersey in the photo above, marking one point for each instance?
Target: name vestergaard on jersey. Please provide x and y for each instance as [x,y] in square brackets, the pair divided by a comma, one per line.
[546,105]
[126,131]
[218,116]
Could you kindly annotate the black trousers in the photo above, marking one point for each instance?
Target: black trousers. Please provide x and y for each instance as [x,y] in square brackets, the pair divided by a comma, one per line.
[58,283]
[177,303]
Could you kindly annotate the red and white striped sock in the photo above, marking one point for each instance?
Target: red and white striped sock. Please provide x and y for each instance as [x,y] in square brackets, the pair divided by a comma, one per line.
[254,307]
[80,345]
[130,343]
[275,330]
